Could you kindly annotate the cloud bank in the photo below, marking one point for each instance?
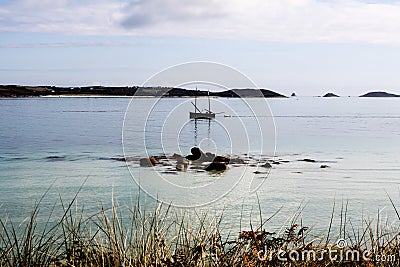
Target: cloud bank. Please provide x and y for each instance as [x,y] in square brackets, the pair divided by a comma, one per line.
[335,21]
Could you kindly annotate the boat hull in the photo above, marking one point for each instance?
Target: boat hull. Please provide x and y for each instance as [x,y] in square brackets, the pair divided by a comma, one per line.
[198,115]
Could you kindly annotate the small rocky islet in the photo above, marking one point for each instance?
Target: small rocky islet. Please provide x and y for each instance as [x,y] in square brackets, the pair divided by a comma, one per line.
[199,161]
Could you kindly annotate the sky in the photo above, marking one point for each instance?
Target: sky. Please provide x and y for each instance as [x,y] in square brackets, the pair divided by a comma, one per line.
[310,47]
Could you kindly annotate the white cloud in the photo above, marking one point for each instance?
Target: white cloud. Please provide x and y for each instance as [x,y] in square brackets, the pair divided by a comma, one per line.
[271,20]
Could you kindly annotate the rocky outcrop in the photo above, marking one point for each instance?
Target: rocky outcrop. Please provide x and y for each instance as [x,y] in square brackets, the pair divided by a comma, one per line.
[196,154]
[379,94]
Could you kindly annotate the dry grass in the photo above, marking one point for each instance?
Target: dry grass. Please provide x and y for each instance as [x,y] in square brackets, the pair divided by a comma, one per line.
[162,236]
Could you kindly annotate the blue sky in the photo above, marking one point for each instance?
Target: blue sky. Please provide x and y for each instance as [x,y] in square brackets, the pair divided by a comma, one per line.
[307,46]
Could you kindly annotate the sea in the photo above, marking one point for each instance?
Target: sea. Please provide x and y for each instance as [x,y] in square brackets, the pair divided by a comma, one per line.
[330,157]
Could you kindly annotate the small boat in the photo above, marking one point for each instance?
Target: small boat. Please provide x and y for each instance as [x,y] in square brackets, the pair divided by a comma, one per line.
[198,114]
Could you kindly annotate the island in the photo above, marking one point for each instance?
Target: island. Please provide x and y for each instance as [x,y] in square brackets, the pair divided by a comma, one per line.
[379,94]
[38,91]
[330,95]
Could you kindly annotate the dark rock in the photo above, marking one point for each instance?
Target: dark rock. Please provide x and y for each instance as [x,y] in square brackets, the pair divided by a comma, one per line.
[217,166]
[169,172]
[324,166]
[182,164]
[219,163]
[293,94]
[176,156]
[160,157]
[266,165]
[221,159]
[197,167]
[237,161]
[55,158]
[148,162]
[330,95]
[259,172]
[196,154]
[276,162]
[125,159]
[308,160]
[118,159]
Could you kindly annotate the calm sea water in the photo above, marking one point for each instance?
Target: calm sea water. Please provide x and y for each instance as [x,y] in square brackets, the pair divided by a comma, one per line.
[64,141]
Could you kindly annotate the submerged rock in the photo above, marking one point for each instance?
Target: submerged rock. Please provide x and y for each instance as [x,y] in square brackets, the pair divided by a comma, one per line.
[182,164]
[259,172]
[225,160]
[308,160]
[166,163]
[237,161]
[127,159]
[55,158]
[176,156]
[219,163]
[217,166]
[160,157]
[148,162]
[266,165]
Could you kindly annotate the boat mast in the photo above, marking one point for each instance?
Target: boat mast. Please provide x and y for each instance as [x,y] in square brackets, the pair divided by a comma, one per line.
[195,101]
[209,107]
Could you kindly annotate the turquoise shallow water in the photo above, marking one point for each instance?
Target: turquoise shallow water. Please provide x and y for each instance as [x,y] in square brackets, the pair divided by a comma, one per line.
[67,140]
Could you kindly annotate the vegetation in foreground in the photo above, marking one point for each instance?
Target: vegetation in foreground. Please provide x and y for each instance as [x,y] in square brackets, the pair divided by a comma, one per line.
[135,236]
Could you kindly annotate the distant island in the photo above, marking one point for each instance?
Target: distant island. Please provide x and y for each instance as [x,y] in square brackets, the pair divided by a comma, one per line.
[47,90]
[379,94]
[330,95]
[37,91]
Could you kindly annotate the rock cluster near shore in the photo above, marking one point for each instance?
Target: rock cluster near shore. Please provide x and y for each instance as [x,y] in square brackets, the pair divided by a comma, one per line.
[198,161]
[201,161]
